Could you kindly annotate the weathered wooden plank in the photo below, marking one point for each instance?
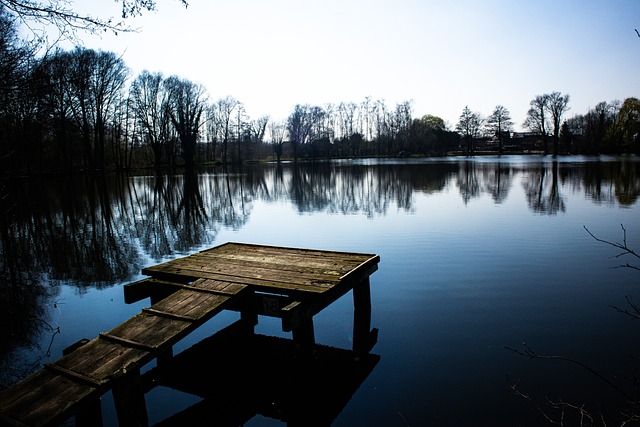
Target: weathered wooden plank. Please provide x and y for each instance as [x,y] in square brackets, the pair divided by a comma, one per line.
[190,308]
[145,288]
[191,304]
[288,263]
[56,399]
[101,359]
[214,287]
[170,315]
[234,247]
[237,274]
[197,266]
[151,330]
[126,342]
[284,259]
[304,288]
[273,267]
[74,376]
[223,287]
[141,289]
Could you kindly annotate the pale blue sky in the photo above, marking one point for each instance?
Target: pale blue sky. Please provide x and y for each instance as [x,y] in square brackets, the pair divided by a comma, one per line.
[443,55]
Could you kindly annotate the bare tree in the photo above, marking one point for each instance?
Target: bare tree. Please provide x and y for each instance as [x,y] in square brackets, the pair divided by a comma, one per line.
[381,124]
[148,97]
[38,14]
[97,80]
[107,85]
[242,133]
[187,103]
[499,122]
[258,129]
[221,115]
[469,127]
[537,120]
[347,114]
[56,70]
[300,126]
[276,133]
[557,104]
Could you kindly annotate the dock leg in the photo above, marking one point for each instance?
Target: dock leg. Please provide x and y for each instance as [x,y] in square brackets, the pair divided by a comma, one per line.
[249,313]
[165,357]
[91,415]
[363,337]
[128,397]
[304,339]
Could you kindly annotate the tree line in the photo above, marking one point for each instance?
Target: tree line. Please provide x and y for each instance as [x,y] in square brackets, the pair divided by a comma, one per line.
[81,109]
[608,128]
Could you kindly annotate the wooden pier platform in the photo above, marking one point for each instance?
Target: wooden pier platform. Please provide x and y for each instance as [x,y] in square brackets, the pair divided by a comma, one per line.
[289,283]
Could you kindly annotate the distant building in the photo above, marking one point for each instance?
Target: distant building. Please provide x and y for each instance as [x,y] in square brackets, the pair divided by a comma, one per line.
[526,141]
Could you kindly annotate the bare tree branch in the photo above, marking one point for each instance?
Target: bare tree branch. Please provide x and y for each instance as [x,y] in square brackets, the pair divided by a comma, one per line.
[634,313]
[530,353]
[60,14]
[624,248]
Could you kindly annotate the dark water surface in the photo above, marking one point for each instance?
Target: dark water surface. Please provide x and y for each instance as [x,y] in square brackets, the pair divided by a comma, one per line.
[476,255]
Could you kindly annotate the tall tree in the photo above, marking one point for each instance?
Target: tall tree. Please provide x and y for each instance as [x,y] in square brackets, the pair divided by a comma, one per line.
[242,133]
[598,122]
[258,129]
[82,68]
[107,84]
[469,127]
[498,123]
[221,115]
[187,103]
[629,125]
[537,119]
[148,98]
[15,57]
[276,133]
[97,81]
[56,69]
[403,120]
[557,104]
[382,124]
[299,126]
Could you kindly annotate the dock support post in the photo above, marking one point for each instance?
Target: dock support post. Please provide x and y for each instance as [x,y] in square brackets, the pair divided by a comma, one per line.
[91,415]
[165,357]
[363,337]
[249,313]
[128,397]
[304,339]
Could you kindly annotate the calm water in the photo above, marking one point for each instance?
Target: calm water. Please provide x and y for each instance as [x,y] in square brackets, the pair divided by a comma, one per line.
[476,255]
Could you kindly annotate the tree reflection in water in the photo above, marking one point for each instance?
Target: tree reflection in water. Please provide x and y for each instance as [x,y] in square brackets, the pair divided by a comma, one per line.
[97,231]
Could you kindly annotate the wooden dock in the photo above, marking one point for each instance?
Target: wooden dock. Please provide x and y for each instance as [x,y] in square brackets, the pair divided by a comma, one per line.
[288,283]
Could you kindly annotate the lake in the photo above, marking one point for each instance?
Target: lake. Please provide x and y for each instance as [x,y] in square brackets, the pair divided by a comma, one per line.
[478,257]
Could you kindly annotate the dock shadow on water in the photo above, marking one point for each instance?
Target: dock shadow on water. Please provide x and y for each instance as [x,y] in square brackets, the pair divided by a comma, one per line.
[240,375]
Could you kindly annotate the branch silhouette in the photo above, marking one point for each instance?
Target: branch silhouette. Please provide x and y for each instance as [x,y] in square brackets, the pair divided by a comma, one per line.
[530,353]
[623,247]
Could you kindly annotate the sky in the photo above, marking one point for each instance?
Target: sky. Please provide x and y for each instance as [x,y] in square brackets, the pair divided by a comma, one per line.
[440,55]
